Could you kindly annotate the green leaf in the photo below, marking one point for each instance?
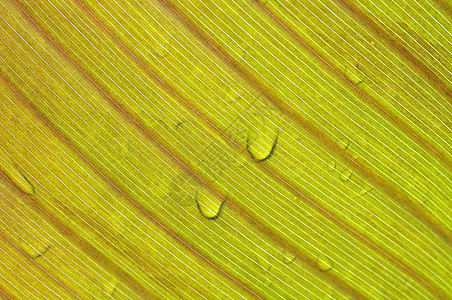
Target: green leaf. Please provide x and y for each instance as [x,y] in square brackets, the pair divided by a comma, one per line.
[270,149]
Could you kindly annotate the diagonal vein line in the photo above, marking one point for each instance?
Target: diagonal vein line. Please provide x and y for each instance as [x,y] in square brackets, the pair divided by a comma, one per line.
[399,30]
[39,266]
[93,252]
[113,235]
[270,171]
[341,285]
[109,180]
[19,260]
[46,240]
[5,294]
[17,74]
[385,186]
[445,5]
[292,91]
[399,47]
[355,87]
[373,59]
[273,173]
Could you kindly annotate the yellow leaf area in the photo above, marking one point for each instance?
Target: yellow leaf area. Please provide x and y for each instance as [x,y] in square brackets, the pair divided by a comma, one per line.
[273,149]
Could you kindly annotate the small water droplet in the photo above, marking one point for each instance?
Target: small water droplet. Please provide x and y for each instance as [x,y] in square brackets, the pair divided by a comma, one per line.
[364,191]
[331,166]
[262,147]
[353,74]
[110,286]
[324,263]
[344,143]
[288,257]
[346,175]
[209,207]
[179,124]
[12,171]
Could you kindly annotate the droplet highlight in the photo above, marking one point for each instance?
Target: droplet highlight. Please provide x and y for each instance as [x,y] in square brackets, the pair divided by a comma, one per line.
[353,73]
[209,207]
[324,263]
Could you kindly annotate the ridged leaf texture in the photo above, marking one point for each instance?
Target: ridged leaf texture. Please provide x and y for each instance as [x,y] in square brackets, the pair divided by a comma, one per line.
[201,149]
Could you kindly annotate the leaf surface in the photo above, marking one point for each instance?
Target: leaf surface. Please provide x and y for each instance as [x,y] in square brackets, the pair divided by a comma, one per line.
[204,149]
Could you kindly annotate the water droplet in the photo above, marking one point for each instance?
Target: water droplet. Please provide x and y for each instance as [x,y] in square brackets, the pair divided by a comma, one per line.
[353,74]
[209,207]
[288,257]
[34,249]
[344,143]
[346,175]
[331,166]
[11,171]
[179,124]
[110,286]
[266,261]
[262,147]
[364,191]
[324,263]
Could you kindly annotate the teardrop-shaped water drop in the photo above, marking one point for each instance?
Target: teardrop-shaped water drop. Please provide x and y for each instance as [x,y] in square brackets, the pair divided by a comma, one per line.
[324,263]
[346,175]
[208,206]
[33,249]
[12,171]
[261,148]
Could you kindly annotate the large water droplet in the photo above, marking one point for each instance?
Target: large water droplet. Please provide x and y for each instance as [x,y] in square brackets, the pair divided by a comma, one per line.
[12,171]
[346,175]
[261,148]
[208,206]
[33,249]
[324,263]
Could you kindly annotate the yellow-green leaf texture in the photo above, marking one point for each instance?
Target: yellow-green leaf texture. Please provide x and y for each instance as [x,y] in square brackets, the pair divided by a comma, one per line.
[201,149]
